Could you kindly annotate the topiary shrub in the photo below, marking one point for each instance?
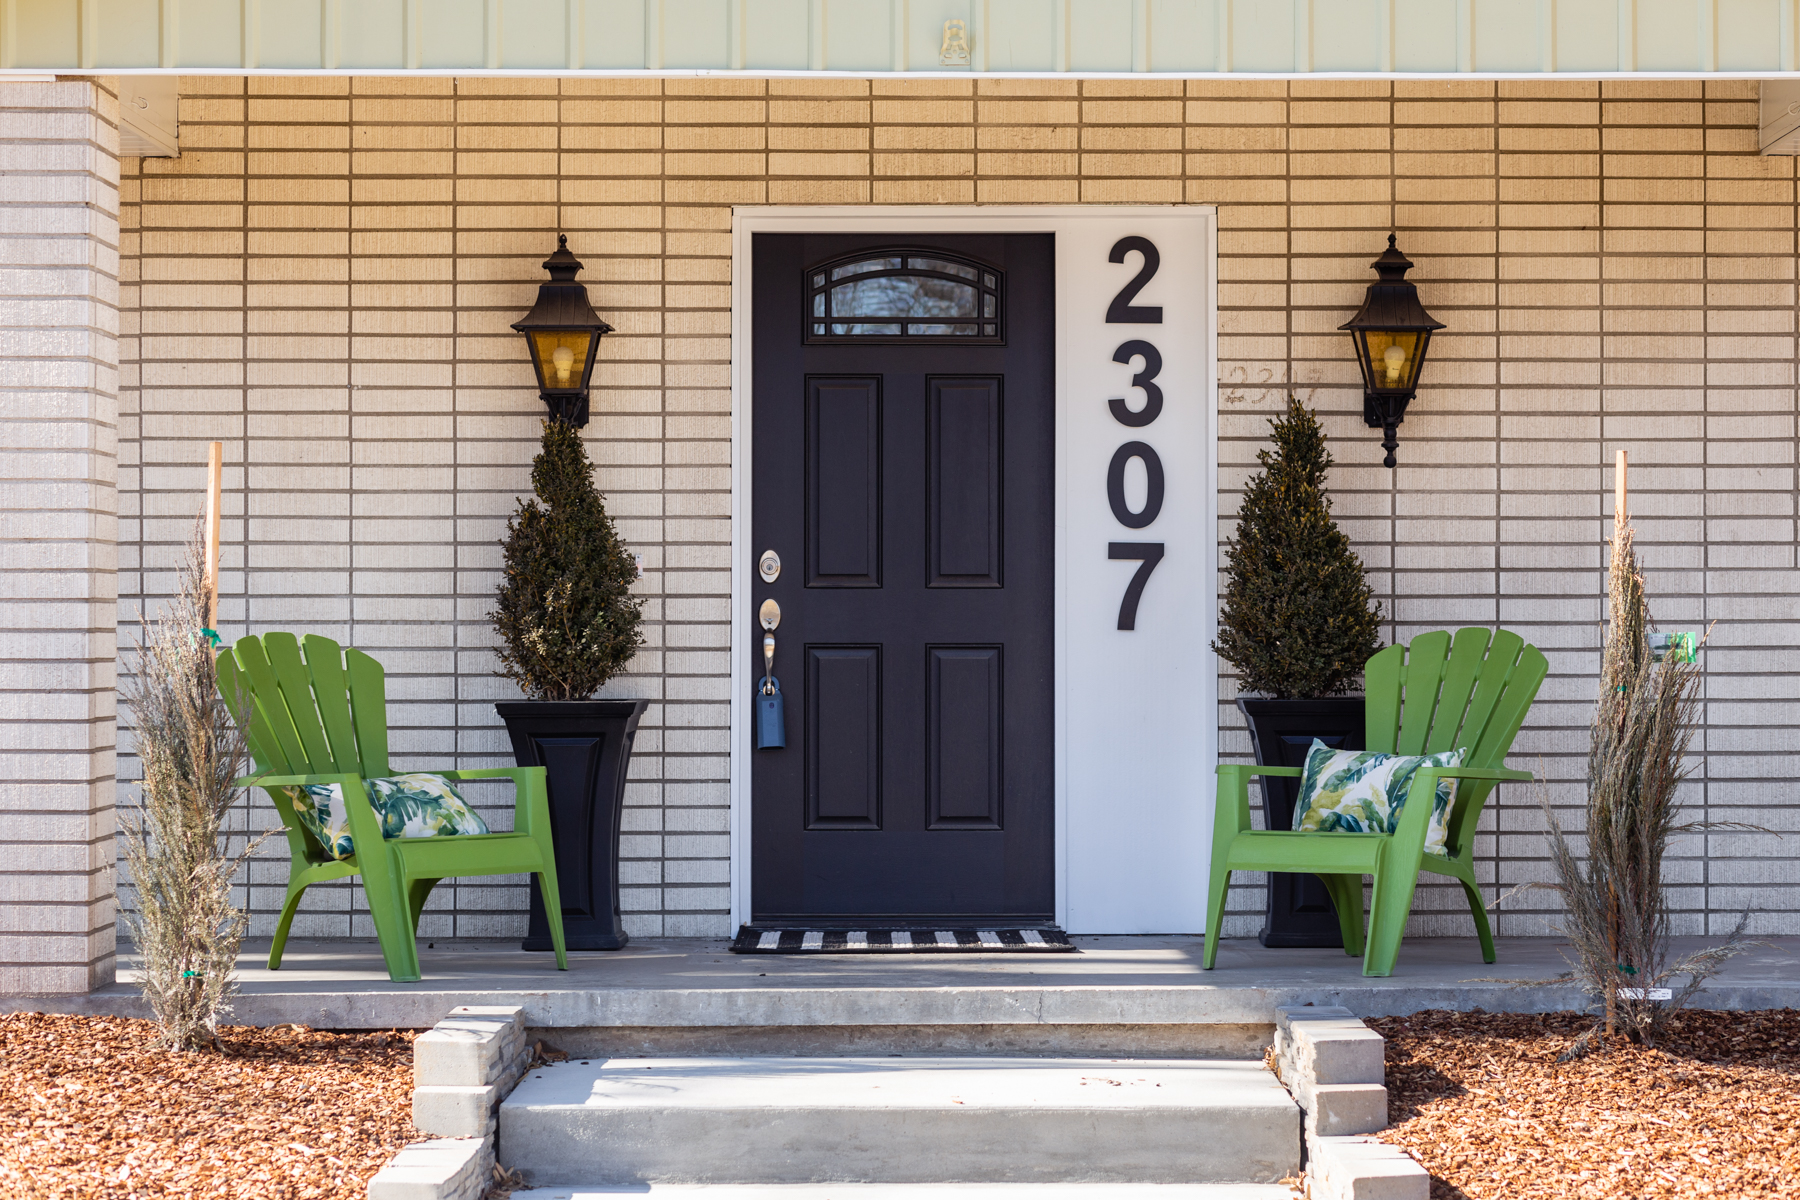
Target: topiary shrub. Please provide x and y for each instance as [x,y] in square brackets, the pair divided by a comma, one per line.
[1300,619]
[565,613]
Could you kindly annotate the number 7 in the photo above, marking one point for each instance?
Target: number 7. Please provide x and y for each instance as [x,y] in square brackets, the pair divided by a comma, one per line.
[1149,553]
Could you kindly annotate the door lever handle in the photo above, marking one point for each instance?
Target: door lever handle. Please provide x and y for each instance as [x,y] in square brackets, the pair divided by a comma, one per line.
[769,615]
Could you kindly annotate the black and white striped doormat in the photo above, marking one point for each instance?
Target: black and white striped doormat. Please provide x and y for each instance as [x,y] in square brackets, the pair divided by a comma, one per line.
[754,940]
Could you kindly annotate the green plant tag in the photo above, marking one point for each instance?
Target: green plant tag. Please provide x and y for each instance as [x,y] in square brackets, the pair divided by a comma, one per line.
[1674,647]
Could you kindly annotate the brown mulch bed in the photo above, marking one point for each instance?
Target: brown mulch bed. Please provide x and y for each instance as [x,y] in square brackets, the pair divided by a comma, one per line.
[1480,1099]
[88,1111]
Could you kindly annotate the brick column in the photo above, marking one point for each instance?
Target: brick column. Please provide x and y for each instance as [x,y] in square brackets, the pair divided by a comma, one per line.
[59,415]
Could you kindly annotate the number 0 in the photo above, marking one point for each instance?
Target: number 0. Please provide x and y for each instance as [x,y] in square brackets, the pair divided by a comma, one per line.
[1115,485]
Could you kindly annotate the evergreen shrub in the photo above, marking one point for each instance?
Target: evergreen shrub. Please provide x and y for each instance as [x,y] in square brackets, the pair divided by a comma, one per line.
[565,613]
[1299,618]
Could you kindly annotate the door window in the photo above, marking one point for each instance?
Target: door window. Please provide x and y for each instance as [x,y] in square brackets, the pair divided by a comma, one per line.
[905,296]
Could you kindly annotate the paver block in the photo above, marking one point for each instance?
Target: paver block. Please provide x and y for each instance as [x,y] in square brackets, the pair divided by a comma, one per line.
[1340,1109]
[455,1112]
[441,1169]
[1356,1168]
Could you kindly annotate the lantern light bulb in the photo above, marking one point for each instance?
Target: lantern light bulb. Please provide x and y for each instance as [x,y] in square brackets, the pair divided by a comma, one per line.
[563,359]
[1395,358]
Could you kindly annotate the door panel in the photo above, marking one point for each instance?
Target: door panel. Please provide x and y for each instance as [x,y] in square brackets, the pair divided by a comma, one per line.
[843,737]
[843,482]
[963,751]
[963,484]
[911,489]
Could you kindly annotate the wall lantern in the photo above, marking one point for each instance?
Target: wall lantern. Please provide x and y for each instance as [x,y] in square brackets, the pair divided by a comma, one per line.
[563,331]
[1391,332]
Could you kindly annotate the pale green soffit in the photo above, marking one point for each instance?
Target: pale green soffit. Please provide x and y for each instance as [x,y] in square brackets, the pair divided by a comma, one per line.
[863,37]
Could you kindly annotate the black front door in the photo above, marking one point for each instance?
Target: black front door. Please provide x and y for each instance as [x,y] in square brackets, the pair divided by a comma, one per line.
[903,448]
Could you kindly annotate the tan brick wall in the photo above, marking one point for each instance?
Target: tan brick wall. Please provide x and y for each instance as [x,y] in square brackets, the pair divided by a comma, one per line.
[59,367]
[325,277]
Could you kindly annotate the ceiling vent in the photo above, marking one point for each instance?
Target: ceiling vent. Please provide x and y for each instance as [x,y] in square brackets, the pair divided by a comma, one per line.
[147,124]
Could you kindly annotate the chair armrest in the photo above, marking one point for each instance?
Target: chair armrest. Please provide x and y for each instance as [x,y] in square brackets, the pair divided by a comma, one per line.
[1494,774]
[1415,817]
[531,792]
[1231,809]
[512,773]
[274,781]
[1248,769]
[365,826]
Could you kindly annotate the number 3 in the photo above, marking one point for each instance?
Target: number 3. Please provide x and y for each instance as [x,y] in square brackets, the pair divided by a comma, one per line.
[1153,397]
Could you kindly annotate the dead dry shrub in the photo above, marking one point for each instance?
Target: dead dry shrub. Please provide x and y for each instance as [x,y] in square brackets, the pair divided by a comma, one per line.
[1616,911]
[185,927]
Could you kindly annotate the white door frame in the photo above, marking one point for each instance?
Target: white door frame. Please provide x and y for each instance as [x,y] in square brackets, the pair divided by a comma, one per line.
[945,219]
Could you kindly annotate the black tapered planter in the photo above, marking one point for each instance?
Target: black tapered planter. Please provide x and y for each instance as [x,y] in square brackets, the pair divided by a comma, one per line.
[586,746]
[1300,912]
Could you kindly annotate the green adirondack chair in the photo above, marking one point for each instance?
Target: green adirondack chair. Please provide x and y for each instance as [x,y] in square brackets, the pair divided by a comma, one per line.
[323,720]
[1434,695]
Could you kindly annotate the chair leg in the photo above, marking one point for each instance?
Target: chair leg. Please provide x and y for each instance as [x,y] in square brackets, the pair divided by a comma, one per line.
[416,894]
[288,908]
[553,913]
[552,898]
[1478,910]
[1216,887]
[389,909]
[1394,884]
[1347,898]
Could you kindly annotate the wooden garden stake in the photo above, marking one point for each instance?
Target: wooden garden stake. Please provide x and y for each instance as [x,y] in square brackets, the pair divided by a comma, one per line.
[1619,491]
[1614,933]
[215,468]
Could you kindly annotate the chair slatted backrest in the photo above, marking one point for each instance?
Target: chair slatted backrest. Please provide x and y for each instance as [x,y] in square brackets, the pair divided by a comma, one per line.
[1440,693]
[321,714]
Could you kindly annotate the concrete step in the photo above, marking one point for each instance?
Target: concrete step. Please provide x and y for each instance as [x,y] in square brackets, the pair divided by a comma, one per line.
[928,1191]
[900,1121]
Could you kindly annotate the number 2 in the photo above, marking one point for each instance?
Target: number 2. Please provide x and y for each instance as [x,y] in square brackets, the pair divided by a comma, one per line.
[1122,311]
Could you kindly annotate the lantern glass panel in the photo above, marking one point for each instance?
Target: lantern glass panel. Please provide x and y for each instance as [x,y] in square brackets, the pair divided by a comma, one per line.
[1392,358]
[561,356]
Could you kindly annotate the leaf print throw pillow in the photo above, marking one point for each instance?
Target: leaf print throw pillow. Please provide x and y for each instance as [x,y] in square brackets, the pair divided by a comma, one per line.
[1363,791]
[416,805]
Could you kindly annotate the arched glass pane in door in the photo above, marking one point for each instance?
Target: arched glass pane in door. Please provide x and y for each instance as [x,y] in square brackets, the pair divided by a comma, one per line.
[905,296]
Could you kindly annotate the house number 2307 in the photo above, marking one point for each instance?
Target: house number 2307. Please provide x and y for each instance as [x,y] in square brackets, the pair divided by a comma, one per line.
[1123,312]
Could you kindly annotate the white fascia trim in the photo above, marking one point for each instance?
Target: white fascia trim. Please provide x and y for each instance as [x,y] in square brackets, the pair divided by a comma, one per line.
[758,73]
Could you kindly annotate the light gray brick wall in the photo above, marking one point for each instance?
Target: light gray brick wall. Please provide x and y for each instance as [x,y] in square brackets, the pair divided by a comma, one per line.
[324,282]
[324,279]
[59,366]
[1616,265]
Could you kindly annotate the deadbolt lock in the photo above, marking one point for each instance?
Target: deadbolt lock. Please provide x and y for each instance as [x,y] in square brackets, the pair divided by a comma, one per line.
[769,566]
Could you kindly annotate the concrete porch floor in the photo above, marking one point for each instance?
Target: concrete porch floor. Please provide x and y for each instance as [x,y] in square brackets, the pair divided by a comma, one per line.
[696,983]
